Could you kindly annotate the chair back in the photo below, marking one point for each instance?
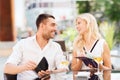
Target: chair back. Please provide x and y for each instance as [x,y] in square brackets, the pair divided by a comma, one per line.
[10,76]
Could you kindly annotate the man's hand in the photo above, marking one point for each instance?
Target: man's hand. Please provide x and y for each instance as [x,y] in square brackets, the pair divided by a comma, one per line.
[44,74]
[30,65]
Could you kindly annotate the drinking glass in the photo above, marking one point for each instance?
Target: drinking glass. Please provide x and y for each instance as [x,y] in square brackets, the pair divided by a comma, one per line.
[98,60]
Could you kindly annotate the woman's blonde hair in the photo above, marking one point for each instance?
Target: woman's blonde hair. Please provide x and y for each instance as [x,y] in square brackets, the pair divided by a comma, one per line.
[92,27]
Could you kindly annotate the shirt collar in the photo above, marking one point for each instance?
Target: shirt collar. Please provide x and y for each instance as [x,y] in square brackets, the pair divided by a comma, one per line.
[34,39]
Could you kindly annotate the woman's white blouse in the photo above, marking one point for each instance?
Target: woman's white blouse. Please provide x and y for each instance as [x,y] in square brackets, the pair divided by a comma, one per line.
[97,52]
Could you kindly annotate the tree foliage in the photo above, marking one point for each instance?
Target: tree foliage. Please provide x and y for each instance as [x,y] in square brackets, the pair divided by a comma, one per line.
[108,8]
[113,9]
[83,6]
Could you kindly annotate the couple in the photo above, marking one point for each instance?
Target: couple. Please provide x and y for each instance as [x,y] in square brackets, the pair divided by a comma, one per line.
[28,52]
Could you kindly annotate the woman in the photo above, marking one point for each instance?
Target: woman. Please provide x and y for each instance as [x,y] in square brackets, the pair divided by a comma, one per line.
[88,35]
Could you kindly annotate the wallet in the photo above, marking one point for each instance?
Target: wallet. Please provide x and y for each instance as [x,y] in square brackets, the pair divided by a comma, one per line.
[43,65]
[88,61]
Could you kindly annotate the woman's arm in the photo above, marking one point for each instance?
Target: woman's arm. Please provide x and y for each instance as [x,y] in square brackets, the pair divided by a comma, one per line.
[107,62]
[76,63]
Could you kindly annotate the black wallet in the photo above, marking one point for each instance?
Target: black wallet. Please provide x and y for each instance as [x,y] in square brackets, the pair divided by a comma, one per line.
[88,61]
[43,65]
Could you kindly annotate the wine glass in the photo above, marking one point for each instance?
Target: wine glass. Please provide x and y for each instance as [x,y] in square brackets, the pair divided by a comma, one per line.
[98,59]
[64,62]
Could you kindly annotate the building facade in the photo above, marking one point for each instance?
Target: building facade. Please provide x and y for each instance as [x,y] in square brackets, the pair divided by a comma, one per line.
[63,10]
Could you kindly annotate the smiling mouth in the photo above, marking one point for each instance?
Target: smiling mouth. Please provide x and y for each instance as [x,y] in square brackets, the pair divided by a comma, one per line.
[53,32]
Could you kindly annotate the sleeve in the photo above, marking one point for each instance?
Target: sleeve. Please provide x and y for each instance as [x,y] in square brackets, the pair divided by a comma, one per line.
[60,59]
[16,55]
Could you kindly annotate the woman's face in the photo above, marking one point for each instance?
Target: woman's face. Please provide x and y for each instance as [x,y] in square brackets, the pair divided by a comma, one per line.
[81,26]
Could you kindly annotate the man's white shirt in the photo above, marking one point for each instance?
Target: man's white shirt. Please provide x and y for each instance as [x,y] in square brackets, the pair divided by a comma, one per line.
[28,49]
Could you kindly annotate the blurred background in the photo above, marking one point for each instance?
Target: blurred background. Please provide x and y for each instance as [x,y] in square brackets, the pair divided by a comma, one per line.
[17,21]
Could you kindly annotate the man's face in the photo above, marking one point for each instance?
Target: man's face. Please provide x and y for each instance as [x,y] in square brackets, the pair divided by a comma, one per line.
[49,28]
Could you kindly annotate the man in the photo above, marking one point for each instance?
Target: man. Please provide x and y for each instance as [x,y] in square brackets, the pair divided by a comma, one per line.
[27,53]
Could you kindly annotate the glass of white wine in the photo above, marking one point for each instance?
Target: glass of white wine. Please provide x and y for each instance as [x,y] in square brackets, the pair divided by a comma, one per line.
[98,59]
[65,63]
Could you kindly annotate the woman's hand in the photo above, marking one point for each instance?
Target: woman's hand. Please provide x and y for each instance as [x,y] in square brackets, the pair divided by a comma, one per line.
[92,70]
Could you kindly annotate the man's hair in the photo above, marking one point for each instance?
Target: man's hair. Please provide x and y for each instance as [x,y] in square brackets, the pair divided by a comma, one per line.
[43,17]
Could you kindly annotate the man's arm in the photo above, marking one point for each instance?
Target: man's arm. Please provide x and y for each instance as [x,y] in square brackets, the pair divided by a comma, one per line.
[14,69]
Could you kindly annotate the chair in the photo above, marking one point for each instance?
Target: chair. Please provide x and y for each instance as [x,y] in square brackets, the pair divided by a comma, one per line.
[10,76]
[62,44]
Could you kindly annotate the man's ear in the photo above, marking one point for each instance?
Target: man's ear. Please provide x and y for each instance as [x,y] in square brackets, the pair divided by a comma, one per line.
[40,25]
